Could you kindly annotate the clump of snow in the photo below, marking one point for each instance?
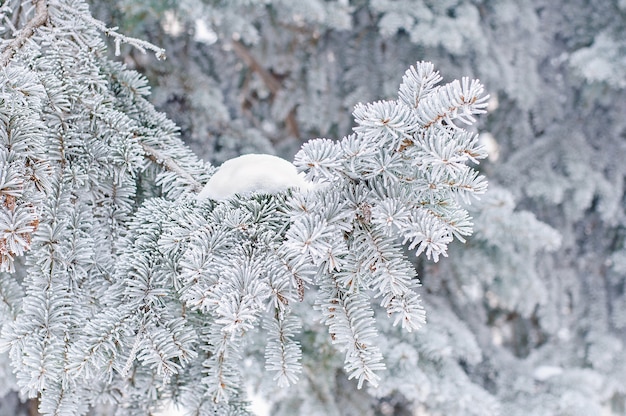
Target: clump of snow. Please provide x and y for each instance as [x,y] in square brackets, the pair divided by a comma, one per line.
[544,372]
[252,173]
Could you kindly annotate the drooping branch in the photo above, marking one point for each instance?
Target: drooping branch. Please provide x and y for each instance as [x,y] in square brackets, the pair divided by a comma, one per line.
[170,164]
[39,19]
[140,44]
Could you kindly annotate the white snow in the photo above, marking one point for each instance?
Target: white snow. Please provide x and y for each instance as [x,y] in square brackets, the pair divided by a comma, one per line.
[252,173]
[170,409]
[491,145]
[544,372]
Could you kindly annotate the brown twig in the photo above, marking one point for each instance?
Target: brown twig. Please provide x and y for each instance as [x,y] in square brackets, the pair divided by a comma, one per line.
[171,165]
[40,18]
[272,83]
[292,123]
[33,407]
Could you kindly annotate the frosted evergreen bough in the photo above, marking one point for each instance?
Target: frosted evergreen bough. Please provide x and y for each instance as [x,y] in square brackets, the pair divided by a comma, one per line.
[128,291]
[507,302]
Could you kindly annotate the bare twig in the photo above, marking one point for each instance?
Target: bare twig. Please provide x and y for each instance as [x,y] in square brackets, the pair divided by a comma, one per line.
[33,407]
[171,165]
[272,83]
[292,123]
[40,18]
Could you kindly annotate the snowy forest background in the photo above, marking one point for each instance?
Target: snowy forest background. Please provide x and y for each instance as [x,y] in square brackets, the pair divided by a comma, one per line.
[527,317]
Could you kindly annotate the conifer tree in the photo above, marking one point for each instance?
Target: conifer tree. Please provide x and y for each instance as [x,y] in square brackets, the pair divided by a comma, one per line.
[131,290]
[113,272]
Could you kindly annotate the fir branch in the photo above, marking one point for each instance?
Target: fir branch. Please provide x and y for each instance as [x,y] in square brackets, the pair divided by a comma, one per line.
[40,18]
[142,45]
[282,353]
[170,164]
[455,100]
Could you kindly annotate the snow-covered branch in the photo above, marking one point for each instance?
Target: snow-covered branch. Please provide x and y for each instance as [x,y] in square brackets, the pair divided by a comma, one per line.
[38,20]
[170,164]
